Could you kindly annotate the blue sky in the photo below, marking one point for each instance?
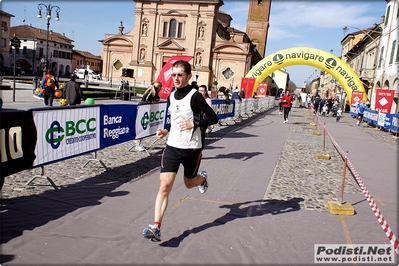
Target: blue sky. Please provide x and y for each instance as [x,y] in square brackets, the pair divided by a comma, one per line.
[315,24]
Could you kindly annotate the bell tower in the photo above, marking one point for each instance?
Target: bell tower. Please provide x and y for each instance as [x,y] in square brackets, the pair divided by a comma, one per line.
[258,23]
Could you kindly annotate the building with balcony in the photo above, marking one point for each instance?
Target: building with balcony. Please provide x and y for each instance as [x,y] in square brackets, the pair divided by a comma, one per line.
[361,54]
[373,53]
[30,57]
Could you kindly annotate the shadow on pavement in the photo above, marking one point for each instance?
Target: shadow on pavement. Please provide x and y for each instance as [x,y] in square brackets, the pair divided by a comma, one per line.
[258,208]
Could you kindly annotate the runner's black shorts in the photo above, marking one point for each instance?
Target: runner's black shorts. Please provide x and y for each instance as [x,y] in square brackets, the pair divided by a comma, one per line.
[172,158]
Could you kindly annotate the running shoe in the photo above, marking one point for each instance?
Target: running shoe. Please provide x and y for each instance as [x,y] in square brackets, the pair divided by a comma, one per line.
[152,232]
[203,187]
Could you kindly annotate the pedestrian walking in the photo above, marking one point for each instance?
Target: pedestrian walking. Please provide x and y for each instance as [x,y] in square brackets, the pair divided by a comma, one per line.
[316,103]
[73,93]
[184,142]
[49,83]
[287,104]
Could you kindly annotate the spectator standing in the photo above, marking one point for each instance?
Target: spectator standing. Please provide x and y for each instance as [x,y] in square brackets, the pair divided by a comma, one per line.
[49,83]
[73,93]
[330,103]
[242,93]
[150,96]
[280,103]
[236,94]
[205,130]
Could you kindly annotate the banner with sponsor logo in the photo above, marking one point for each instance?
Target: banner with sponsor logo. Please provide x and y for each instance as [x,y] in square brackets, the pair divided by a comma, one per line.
[117,123]
[149,118]
[383,100]
[323,60]
[17,141]
[357,96]
[65,133]
[262,90]
[222,109]
[165,76]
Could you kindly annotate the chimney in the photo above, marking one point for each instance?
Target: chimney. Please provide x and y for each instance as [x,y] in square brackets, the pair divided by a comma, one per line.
[382,20]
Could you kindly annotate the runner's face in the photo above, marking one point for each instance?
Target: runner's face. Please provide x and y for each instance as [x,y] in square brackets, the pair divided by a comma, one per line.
[180,78]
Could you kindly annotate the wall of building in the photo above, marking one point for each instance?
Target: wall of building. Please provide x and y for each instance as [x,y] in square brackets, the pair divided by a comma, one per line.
[219,54]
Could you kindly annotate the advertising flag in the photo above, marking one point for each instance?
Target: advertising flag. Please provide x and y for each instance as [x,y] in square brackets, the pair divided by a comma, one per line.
[357,96]
[262,90]
[165,76]
[383,100]
[248,84]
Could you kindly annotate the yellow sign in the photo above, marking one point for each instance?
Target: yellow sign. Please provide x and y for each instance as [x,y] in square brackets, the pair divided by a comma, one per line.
[331,64]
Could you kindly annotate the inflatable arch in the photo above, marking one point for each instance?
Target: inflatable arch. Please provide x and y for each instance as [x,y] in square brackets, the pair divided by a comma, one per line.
[343,73]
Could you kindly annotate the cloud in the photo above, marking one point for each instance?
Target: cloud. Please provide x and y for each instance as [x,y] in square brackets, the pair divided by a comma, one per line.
[289,18]
[320,15]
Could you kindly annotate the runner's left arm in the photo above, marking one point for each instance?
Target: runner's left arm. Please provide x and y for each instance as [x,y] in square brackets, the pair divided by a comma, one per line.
[198,104]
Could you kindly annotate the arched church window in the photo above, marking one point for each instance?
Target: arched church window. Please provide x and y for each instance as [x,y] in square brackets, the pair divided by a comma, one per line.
[172,28]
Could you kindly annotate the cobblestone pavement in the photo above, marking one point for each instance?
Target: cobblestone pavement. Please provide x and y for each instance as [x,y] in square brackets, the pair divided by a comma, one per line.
[299,173]
[317,180]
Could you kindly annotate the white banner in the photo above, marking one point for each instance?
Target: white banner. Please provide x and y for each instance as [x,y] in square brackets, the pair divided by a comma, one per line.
[65,133]
[381,119]
[150,117]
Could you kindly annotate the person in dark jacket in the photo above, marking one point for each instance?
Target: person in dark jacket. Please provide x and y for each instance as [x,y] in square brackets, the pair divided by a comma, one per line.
[73,93]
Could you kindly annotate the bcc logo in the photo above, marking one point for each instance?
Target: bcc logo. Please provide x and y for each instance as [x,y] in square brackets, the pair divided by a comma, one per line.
[55,134]
[153,116]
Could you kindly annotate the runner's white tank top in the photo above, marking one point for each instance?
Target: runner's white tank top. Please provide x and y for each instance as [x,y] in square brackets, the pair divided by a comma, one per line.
[182,139]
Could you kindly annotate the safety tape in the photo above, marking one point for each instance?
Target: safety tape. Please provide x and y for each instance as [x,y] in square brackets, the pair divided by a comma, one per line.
[384,224]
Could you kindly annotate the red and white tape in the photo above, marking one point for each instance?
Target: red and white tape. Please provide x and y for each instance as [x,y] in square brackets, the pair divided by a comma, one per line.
[384,224]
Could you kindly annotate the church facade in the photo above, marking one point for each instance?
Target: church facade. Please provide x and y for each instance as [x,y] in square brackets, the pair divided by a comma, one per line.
[221,55]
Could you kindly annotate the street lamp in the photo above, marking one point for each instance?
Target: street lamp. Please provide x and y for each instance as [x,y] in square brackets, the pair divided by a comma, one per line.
[48,9]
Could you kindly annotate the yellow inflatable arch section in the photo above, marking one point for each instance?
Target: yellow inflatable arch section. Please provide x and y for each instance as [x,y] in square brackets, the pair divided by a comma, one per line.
[343,73]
